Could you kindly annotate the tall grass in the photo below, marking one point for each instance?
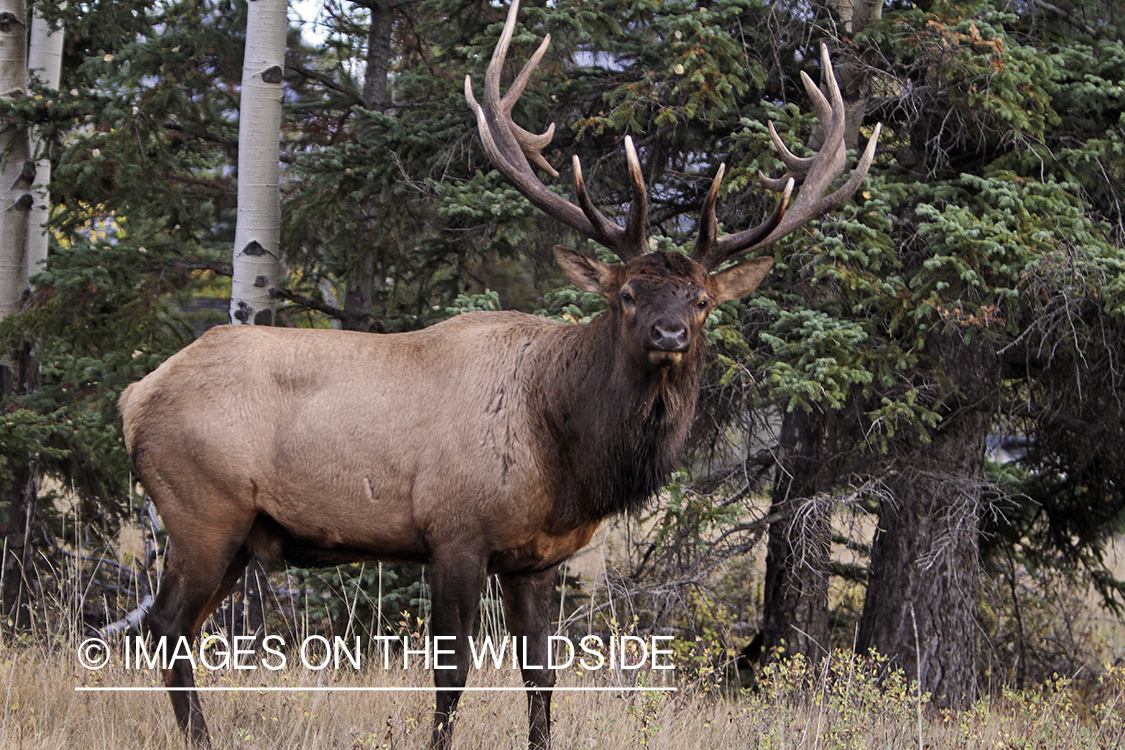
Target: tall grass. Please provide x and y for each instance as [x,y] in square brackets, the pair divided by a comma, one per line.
[845,702]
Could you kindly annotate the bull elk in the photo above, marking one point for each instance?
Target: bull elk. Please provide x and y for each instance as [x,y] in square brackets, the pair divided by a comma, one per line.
[491,443]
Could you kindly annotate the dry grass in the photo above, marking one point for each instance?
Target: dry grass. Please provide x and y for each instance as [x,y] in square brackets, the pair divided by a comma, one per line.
[848,702]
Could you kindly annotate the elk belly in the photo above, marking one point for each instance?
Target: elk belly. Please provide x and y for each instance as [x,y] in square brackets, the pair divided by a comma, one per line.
[543,550]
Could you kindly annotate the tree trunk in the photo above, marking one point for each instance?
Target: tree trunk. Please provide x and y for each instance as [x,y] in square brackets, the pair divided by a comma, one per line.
[257,238]
[795,618]
[360,295]
[920,606]
[798,564]
[20,525]
[378,54]
[45,63]
[15,170]
[797,558]
[854,79]
[19,373]
[856,14]
[257,268]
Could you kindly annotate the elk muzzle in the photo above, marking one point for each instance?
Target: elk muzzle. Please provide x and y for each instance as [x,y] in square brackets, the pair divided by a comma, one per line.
[668,339]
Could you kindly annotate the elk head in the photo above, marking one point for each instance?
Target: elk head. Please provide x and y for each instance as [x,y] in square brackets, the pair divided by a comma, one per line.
[661,300]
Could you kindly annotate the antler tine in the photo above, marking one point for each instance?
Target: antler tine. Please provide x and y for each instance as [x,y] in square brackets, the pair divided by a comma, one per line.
[708,222]
[634,232]
[637,220]
[512,150]
[705,243]
[815,173]
[531,144]
[832,118]
[830,115]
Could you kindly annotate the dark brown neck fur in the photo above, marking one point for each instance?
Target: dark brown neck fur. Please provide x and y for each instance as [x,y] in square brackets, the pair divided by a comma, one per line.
[619,426]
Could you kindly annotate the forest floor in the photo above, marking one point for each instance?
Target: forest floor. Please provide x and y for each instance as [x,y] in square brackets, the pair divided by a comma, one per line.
[54,693]
[846,702]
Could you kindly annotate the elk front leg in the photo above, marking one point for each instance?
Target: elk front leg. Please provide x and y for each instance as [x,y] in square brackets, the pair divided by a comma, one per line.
[527,603]
[457,580]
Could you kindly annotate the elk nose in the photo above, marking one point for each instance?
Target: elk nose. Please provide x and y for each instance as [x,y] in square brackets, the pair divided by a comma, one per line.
[669,337]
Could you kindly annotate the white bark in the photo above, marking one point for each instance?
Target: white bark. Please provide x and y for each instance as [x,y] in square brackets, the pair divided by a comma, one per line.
[14,181]
[854,80]
[44,61]
[857,14]
[131,621]
[257,239]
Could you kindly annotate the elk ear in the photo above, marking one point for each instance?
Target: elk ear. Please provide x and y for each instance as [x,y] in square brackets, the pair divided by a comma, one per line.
[587,273]
[738,281]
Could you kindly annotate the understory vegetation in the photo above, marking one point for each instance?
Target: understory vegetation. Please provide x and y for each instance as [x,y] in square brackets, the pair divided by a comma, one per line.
[847,701]
[907,456]
[1054,669]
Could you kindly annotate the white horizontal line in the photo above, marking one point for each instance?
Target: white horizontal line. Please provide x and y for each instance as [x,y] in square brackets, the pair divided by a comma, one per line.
[233,689]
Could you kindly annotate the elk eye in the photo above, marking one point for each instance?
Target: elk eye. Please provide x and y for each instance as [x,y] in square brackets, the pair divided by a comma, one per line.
[626,298]
[702,304]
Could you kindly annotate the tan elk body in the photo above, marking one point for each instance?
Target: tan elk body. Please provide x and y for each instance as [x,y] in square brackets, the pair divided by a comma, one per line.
[491,443]
[353,441]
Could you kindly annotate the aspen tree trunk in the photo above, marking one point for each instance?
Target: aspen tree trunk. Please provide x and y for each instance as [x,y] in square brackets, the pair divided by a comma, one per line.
[15,178]
[24,239]
[44,61]
[257,239]
[15,185]
[256,266]
[854,83]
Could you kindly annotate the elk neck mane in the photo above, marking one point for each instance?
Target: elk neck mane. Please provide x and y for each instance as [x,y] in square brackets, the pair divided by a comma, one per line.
[618,428]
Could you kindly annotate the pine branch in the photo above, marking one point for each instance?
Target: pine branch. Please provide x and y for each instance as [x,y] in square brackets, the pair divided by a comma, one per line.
[1069,17]
[1025,410]
[326,81]
[310,303]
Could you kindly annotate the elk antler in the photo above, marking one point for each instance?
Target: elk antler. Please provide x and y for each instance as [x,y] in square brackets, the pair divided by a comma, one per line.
[512,150]
[815,172]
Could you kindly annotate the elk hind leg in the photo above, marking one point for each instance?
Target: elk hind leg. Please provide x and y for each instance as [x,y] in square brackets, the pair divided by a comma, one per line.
[191,589]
